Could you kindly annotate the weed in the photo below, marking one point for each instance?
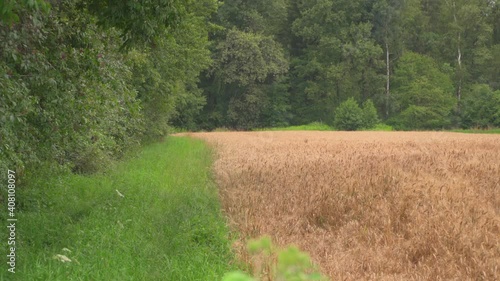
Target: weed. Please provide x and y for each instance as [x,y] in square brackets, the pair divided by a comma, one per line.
[269,263]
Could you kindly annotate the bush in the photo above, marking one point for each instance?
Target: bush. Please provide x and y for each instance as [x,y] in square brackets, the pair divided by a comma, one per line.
[348,116]
[244,112]
[70,94]
[481,108]
[421,117]
[370,116]
[423,94]
[291,264]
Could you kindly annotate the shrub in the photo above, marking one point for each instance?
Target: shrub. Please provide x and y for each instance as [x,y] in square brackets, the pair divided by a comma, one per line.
[422,90]
[348,116]
[244,111]
[291,264]
[370,116]
[481,108]
[421,117]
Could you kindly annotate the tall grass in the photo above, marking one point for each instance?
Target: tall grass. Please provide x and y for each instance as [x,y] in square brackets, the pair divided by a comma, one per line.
[155,216]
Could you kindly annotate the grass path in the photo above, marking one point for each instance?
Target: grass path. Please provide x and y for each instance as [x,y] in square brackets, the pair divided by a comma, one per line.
[155,216]
[478,131]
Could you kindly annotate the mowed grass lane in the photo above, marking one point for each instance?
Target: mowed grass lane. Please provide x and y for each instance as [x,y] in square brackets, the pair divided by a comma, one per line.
[155,217]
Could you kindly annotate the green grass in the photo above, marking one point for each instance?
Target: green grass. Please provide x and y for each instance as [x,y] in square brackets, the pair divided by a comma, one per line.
[381,127]
[478,131]
[168,225]
[315,126]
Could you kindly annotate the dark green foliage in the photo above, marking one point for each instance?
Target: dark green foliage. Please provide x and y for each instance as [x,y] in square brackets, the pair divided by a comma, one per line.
[420,117]
[70,95]
[348,116]
[493,65]
[258,16]
[248,89]
[276,112]
[396,53]
[248,58]
[166,77]
[244,111]
[78,108]
[423,94]
[370,116]
[339,59]
[247,85]
[17,143]
[139,21]
[10,9]
[481,108]
[261,106]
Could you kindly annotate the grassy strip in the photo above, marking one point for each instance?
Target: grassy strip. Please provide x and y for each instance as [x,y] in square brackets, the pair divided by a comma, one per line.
[168,225]
[478,131]
[317,126]
[380,128]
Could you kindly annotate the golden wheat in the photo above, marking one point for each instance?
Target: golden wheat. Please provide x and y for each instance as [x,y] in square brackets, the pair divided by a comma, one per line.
[368,205]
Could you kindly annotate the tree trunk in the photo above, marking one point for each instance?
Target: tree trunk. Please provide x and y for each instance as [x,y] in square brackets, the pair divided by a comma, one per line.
[459,59]
[388,80]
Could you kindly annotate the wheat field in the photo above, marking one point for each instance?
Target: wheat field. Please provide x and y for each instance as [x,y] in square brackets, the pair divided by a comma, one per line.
[368,205]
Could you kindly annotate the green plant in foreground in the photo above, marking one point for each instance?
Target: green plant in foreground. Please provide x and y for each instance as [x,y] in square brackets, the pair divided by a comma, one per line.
[290,265]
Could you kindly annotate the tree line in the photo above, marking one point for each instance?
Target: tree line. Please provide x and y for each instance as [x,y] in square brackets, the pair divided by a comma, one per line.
[84,81]
[425,64]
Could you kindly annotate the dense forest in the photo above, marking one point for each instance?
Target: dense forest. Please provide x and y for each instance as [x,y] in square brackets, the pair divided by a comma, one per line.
[83,81]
